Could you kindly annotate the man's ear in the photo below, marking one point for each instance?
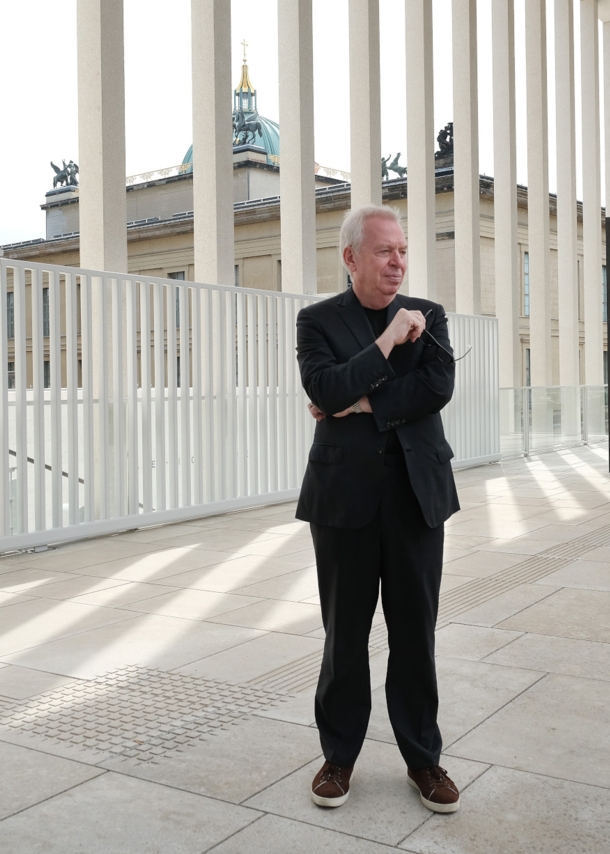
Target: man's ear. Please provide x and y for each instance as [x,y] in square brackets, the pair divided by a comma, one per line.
[349,259]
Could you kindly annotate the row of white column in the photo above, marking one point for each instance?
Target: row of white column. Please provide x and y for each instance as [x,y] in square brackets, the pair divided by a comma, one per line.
[102,157]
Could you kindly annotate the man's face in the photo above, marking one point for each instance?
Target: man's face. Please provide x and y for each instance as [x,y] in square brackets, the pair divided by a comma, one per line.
[378,267]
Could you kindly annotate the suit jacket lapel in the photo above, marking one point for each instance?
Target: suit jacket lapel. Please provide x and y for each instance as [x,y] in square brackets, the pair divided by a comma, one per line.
[354,317]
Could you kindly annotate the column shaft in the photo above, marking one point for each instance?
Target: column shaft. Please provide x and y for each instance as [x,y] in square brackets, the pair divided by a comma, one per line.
[567,250]
[101,131]
[606,72]
[505,192]
[365,102]
[466,159]
[421,186]
[538,192]
[591,194]
[212,137]
[297,186]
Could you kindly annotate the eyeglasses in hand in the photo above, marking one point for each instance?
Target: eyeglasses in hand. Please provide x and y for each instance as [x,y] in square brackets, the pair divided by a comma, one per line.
[442,353]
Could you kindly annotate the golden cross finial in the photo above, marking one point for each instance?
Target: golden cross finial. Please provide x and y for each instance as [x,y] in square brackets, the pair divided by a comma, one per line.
[245,44]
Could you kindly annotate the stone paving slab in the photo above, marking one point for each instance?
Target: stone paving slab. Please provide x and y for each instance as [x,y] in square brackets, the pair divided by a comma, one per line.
[518,813]
[29,777]
[559,727]
[119,814]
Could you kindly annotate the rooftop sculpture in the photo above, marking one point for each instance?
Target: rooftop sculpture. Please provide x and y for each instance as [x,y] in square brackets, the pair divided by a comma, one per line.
[66,176]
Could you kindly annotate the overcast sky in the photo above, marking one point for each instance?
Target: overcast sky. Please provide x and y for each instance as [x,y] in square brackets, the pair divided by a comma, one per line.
[39,92]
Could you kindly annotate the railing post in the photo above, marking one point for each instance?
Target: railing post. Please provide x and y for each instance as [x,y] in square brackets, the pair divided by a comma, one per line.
[526,421]
[585,415]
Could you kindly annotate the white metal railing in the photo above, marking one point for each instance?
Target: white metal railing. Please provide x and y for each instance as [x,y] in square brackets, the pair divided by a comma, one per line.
[169,400]
[544,419]
[472,418]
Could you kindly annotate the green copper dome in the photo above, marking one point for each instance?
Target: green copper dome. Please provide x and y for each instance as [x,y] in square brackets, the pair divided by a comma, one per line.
[266,133]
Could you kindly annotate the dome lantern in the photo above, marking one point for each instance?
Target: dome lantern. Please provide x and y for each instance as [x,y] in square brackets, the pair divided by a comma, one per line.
[244,96]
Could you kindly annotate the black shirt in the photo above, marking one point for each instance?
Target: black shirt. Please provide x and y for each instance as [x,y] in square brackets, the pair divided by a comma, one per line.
[378,319]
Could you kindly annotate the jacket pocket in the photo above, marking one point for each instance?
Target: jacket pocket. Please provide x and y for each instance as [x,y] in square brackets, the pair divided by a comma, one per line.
[444,452]
[332,454]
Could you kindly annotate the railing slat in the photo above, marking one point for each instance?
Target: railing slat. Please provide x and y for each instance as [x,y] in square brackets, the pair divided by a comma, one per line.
[185,399]
[263,436]
[208,368]
[132,396]
[72,398]
[253,485]
[86,286]
[57,479]
[38,401]
[117,437]
[21,500]
[5,480]
[197,400]
[159,345]
[242,404]
[172,398]
[102,397]
[146,420]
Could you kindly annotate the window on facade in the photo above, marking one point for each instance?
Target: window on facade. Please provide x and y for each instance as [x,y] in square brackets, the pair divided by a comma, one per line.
[604,294]
[526,285]
[46,374]
[178,371]
[605,367]
[10,315]
[528,367]
[236,275]
[11,374]
[279,275]
[46,317]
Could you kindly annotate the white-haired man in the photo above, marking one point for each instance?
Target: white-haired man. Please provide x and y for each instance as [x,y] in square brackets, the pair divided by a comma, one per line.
[378,368]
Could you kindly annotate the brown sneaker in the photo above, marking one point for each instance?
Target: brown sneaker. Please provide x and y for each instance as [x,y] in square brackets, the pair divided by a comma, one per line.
[437,791]
[330,787]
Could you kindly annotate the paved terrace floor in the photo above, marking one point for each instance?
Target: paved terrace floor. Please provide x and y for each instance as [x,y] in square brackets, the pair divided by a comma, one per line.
[156,687]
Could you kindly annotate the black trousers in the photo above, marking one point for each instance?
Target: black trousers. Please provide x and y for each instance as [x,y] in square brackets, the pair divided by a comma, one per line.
[398,550]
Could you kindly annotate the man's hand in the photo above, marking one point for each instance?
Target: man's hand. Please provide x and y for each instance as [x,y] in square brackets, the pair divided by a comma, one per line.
[406,326]
[315,412]
[320,416]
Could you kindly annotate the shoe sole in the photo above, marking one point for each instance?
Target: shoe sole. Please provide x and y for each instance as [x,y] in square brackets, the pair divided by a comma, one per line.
[442,808]
[329,802]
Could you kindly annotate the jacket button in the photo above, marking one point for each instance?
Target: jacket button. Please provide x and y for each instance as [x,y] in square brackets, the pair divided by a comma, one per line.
[381,450]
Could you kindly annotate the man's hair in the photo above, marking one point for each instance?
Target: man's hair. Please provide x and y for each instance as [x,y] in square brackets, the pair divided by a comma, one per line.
[352,230]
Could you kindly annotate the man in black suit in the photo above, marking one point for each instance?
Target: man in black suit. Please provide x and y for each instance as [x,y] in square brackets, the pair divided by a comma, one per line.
[377,490]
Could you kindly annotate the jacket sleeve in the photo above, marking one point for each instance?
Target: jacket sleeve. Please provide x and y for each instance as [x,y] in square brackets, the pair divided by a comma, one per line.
[334,386]
[421,392]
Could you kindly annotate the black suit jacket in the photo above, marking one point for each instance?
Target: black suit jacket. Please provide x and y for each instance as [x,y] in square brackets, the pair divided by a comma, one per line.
[339,363]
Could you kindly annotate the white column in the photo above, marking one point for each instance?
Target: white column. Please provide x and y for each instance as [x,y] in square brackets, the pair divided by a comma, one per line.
[101,132]
[591,194]
[604,14]
[538,192]
[505,192]
[212,141]
[365,102]
[466,159]
[297,188]
[420,149]
[567,251]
